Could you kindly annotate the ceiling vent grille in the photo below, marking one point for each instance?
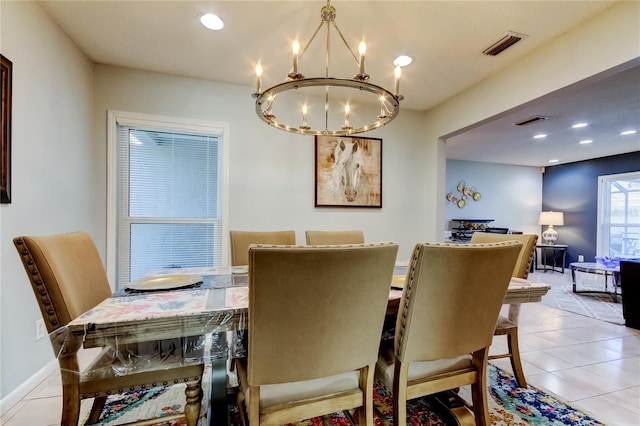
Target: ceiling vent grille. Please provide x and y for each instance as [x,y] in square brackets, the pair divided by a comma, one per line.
[531,120]
[508,40]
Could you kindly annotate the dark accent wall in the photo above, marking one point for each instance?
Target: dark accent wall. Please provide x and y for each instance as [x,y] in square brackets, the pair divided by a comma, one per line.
[573,189]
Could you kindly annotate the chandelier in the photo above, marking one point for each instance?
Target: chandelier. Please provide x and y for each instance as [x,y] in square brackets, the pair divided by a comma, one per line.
[287,106]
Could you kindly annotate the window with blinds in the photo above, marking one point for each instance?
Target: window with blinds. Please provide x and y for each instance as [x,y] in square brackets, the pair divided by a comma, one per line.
[619,215]
[169,200]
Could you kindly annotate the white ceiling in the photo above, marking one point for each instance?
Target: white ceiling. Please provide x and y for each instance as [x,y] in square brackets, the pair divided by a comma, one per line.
[445,38]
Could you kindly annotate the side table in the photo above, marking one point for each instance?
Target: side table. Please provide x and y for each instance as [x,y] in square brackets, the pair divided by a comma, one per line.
[598,269]
[555,250]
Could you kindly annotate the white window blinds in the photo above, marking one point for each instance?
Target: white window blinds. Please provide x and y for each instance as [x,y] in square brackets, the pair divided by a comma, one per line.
[619,215]
[169,200]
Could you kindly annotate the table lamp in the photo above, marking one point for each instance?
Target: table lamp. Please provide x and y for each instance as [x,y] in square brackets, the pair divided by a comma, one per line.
[550,235]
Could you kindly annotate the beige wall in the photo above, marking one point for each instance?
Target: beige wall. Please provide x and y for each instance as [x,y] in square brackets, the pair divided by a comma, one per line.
[271,172]
[510,195]
[55,184]
[609,40]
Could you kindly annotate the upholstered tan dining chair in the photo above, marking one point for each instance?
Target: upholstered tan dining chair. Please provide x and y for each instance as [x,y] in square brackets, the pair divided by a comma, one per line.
[67,278]
[241,240]
[315,319]
[508,325]
[448,311]
[317,238]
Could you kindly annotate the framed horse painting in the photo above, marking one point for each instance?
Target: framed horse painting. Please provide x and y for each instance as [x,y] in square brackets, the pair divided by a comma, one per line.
[348,172]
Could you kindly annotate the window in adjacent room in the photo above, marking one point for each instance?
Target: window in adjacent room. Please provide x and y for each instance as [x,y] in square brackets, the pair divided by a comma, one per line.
[619,215]
[170,196]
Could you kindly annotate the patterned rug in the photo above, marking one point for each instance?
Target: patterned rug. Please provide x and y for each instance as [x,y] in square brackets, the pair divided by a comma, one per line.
[508,405]
[594,305]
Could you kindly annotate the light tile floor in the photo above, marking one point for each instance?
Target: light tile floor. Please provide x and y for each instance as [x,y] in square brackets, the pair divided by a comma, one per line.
[594,365]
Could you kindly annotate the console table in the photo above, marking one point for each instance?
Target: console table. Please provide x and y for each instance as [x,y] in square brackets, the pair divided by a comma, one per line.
[555,250]
[598,269]
[466,228]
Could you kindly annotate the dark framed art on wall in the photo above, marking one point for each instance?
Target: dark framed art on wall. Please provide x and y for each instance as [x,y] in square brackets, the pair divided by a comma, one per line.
[5,137]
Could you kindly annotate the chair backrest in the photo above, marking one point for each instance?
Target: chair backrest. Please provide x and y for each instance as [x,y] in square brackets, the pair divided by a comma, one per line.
[66,274]
[316,311]
[523,265]
[241,240]
[318,238]
[452,298]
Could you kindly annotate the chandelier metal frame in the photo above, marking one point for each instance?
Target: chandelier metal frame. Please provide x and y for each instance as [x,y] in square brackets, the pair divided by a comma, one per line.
[265,100]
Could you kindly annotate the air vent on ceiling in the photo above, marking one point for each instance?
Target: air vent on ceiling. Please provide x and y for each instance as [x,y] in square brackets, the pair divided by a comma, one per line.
[531,120]
[508,40]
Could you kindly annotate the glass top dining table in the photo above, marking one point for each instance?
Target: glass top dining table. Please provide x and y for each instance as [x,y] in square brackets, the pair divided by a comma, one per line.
[215,305]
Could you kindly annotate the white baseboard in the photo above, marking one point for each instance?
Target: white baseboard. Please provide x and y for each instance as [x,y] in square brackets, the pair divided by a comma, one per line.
[30,384]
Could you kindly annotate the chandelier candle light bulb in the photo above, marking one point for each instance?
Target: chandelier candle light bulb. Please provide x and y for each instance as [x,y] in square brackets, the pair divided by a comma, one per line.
[258,77]
[347,110]
[383,113]
[397,73]
[304,117]
[295,47]
[362,49]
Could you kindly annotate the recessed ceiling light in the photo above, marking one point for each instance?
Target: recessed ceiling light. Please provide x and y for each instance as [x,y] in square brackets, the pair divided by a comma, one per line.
[586,141]
[628,132]
[211,21]
[402,61]
[578,125]
[555,160]
[540,136]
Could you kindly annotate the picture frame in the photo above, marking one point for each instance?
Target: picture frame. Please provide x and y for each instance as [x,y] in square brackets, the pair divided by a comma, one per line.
[6,67]
[348,171]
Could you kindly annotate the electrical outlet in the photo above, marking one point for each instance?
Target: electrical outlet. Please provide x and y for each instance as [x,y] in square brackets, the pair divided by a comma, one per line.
[41,331]
[580,258]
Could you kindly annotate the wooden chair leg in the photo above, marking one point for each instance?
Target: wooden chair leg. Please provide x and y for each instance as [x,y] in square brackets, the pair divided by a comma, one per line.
[254,405]
[479,388]
[365,413]
[514,351]
[400,393]
[193,394]
[70,374]
[242,409]
[96,409]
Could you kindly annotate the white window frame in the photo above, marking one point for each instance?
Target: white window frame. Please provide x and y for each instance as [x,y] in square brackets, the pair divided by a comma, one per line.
[604,225]
[166,123]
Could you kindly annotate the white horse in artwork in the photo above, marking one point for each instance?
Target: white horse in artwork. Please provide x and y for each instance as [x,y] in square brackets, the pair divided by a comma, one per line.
[346,171]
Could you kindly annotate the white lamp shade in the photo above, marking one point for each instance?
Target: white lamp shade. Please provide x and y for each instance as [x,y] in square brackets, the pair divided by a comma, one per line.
[550,235]
[551,218]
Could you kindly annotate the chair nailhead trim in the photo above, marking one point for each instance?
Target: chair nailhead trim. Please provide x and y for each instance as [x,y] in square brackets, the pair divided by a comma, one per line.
[38,284]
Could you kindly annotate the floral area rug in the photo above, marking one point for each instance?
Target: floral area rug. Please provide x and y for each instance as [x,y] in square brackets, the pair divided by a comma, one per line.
[508,405]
